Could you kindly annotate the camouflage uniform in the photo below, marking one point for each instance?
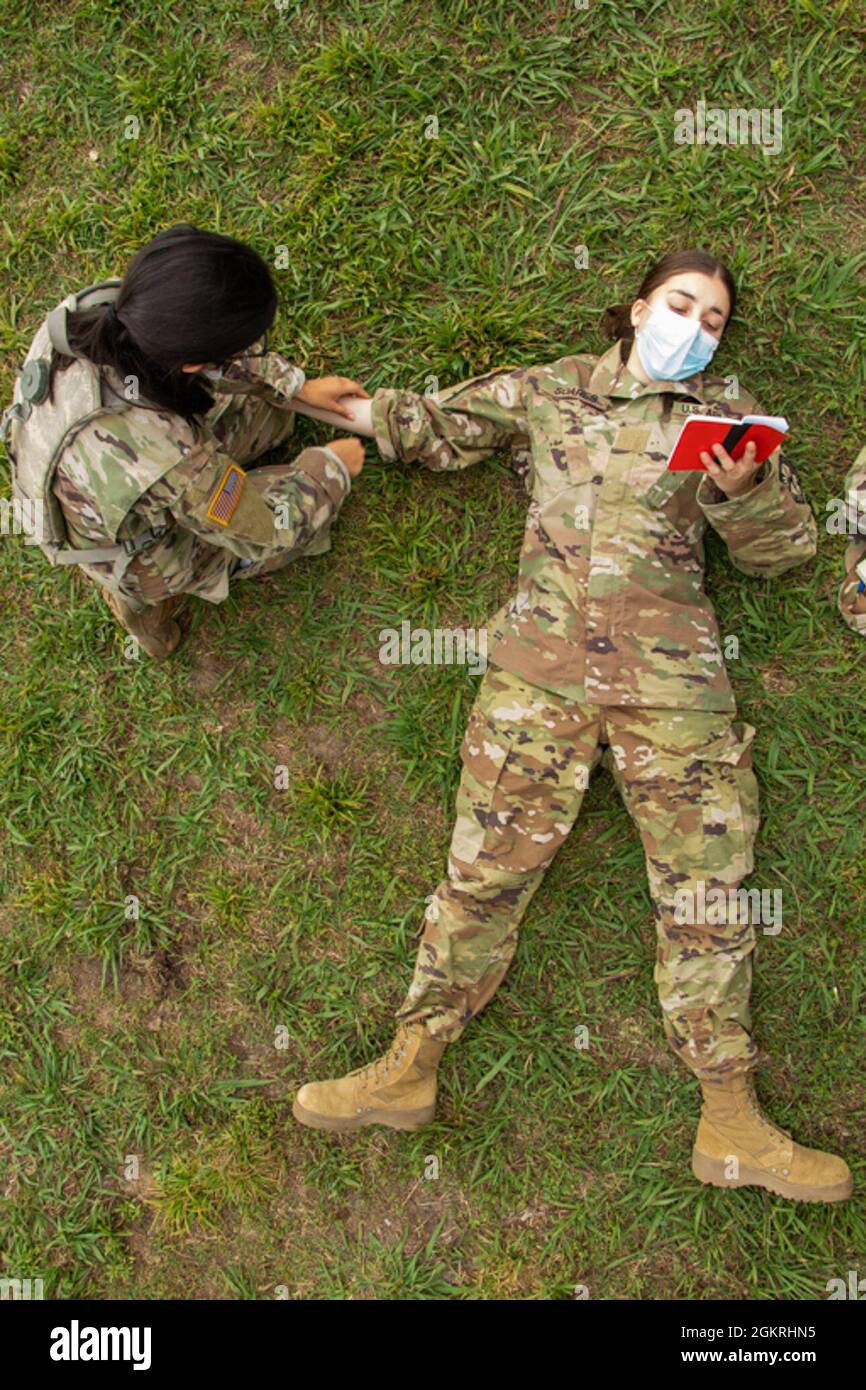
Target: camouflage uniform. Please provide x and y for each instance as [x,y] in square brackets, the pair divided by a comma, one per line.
[209,516]
[855,493]
[609,643]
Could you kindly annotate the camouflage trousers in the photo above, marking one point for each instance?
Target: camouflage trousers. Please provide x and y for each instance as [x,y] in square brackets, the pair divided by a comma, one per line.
[687,781]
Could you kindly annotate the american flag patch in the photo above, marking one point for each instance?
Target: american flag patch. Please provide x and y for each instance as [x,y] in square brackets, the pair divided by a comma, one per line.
[227,495]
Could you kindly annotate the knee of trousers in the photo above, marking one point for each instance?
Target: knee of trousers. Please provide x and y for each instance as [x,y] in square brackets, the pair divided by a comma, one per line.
[729,935]
[485,884]
[713,917]
[703,968]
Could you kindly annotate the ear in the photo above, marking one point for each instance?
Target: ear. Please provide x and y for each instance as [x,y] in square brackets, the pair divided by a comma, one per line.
[638,311]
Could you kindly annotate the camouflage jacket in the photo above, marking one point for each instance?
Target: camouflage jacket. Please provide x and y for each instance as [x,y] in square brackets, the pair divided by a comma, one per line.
[855,494]
[610,607]
[149,470]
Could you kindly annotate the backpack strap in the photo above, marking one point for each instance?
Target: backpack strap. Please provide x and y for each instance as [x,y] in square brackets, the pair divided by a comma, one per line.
[103,293]
[129,548]
[19,410]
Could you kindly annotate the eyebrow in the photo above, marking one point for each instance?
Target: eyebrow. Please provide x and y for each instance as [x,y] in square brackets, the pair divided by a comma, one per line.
[713,310]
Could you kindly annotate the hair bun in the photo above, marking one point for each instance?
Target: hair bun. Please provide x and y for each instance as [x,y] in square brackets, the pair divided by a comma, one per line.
[616,322]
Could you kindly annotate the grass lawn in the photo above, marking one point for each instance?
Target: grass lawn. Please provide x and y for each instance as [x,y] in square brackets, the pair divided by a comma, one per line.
[147,1147]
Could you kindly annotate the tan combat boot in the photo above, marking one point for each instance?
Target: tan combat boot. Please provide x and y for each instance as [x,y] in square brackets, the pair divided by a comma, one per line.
[154,628]
[737,1146]
[398,1089]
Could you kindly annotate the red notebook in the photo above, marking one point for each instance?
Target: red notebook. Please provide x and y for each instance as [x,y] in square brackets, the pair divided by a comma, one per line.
[701,431]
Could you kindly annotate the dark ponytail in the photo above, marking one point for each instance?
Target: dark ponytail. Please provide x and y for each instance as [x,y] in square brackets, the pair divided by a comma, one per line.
[616,321]
[188,296]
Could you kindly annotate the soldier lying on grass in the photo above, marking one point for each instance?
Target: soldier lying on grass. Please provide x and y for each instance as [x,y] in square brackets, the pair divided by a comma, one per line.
[609,649]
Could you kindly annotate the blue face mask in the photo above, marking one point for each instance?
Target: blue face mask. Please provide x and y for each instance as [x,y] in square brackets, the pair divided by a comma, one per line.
[672,347]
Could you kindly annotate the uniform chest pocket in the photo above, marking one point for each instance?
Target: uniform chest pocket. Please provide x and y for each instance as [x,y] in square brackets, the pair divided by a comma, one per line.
[673,493]
[569,425]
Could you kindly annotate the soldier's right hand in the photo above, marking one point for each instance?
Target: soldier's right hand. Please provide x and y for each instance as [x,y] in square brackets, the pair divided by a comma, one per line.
[351,451]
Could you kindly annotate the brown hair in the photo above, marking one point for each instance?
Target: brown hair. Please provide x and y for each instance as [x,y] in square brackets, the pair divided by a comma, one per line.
[616,321]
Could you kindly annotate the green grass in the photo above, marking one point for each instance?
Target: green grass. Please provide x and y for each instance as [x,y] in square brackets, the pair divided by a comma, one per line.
[274,930]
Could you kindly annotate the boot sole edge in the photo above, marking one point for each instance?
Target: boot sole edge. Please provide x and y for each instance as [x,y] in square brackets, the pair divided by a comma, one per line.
[712,1171]
[392,1119]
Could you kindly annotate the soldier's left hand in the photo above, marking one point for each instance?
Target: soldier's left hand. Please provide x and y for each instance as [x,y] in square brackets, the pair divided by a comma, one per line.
[325,392]
[733,478]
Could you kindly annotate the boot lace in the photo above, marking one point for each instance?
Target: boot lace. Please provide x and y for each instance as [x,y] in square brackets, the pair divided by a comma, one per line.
[753,1105]
[379,1069]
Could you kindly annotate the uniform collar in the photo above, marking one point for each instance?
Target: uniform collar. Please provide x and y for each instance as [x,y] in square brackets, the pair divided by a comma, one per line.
[610,377]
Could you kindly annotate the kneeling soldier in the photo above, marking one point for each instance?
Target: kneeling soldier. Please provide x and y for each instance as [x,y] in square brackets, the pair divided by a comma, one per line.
[135,471]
